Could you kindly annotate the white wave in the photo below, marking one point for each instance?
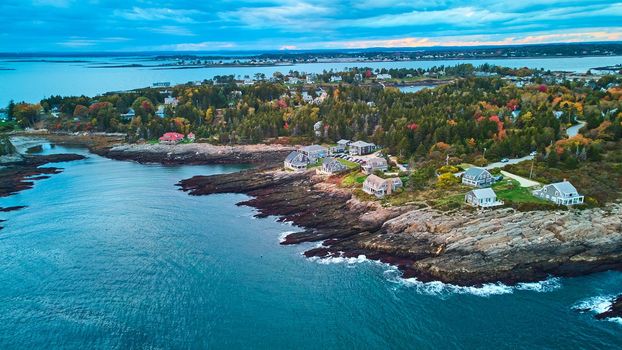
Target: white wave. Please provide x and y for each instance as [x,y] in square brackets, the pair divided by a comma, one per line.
[443,289]
[438,288]
[285,234]
[547,285]
[339,260]
[598,305]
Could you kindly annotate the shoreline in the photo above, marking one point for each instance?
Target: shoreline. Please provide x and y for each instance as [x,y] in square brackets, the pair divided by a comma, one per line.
[459,248]
[463,249]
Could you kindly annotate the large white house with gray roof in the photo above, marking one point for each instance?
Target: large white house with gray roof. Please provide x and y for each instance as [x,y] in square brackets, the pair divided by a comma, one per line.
[296,161]
[477,177]
[360,148]
[482,197]
[332,166]
[561,193]
[314,152]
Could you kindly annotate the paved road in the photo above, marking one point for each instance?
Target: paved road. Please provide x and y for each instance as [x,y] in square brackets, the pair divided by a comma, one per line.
[511,161]
[574,130]
[521,180]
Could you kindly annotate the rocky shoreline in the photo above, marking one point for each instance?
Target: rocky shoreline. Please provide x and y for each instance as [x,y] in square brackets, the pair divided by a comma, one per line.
[198,153]
[462,248]
[20,175]
[113,146]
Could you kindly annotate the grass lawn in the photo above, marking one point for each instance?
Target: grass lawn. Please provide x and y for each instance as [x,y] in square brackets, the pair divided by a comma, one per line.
[316,164]
[353,179]
[509,190]
[349,164]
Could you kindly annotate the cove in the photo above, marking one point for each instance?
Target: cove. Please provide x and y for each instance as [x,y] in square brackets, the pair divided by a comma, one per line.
[110,254]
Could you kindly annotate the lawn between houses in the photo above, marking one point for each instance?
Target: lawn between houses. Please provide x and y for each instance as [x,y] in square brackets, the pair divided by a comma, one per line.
[447,198]
[600,182]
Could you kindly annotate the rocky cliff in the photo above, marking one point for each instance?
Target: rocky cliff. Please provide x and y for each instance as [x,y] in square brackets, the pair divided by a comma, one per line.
[464,248]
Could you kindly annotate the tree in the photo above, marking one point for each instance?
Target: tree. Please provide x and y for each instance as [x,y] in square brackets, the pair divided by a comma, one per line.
[26,114]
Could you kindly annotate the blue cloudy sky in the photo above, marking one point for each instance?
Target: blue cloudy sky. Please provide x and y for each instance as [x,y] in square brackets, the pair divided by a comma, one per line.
[191,25]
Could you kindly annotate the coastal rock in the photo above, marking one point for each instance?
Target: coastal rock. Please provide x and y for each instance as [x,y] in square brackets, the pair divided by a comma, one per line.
[614,311]
[199,153]
[464,248]
[18,176]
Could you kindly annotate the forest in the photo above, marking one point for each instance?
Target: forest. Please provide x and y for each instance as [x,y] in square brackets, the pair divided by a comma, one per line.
[471,118]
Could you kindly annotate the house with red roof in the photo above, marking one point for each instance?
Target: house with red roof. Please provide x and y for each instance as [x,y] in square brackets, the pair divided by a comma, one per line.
[171,138]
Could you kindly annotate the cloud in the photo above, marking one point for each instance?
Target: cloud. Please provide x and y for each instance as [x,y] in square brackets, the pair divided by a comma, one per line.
[291,15]
[170,30]
[201,46]
[157,14]
[611,34]
[460,16]
[80,42]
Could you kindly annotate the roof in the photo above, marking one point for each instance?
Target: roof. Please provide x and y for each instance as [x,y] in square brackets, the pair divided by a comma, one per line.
[333,164]
[484,193]
[172,136]
[375,181]
[361,144]
[376,161]
[343,142]
[564,187]
[313,148]
[293,155]
[474,172]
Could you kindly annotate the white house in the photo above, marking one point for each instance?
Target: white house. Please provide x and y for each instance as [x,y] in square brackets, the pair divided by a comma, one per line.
[296,161]
[561,193]
[314,152]
[160,112]
[341,147]
[335,79]
[129,115]
[477,177]
[375,163]
[482,197]
[380,187]
[171,101]
[383,76]
[332,166]
[360,148]
[317,128]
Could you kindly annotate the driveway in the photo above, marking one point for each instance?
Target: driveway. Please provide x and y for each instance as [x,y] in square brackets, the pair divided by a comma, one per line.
[521,180]
[511,161]
[574,130]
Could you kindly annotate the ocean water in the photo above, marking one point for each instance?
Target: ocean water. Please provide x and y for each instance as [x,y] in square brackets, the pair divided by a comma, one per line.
[31,81]
[111,254]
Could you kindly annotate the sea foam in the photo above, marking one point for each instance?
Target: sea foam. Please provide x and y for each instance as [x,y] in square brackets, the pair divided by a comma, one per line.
[437,288]
[598,305]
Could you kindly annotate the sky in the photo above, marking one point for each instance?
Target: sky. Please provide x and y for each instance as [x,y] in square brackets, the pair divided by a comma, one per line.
[248,25]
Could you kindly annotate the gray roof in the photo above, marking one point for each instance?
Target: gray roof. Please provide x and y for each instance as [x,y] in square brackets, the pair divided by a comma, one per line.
[376,161]
[296,157]
[361,144]
[474,172]
[375,181]
[343,142]
[565,187]
[484,193]
[313,148]
[333,164]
